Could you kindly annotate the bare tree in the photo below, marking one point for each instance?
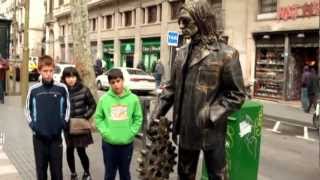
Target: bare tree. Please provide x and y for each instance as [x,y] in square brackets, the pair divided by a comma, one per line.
[81,47]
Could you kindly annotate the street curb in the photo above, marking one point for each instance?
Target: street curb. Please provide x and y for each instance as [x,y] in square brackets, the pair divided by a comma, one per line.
[289,121]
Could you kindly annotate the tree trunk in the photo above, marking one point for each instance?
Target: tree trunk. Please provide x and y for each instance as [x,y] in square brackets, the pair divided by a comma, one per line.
[81,46]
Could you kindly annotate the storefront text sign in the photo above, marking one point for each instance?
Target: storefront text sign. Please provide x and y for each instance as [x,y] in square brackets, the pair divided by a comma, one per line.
[297,10]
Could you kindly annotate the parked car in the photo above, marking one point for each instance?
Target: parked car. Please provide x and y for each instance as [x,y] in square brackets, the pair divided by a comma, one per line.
[135,79]
[58,71]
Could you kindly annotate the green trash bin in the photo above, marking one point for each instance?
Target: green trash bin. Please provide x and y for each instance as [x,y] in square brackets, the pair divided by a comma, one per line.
[243,143]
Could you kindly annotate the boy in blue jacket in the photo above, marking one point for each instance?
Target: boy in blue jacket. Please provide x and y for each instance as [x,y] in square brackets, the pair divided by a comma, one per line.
[47,112]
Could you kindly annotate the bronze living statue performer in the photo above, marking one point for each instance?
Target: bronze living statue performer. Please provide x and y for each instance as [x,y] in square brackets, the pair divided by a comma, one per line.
[206,85]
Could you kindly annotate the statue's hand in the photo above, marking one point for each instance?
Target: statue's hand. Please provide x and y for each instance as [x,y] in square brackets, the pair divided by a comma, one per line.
[204,116]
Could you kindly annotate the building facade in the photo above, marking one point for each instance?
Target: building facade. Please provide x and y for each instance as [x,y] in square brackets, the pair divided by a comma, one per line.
[36,24]
[122,33]
[275,38]
[283,37]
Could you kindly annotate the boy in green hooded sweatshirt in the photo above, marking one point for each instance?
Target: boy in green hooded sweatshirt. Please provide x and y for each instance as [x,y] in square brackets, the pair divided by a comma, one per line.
[118,119]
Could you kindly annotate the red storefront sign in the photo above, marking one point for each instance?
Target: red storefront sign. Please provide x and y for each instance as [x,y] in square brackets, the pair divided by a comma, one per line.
[293,11]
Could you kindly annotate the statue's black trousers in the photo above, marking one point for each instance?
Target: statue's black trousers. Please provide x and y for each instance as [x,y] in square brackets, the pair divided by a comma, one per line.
[214,160]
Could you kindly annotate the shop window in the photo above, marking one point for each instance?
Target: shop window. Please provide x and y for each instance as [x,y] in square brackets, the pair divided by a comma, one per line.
[270,72]
[175,6]
[128,18]
[268,6]
[152,14]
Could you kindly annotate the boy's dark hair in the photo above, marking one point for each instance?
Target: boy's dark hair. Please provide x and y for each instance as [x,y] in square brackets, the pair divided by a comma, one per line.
[68,72]
[114,74]
[45,61]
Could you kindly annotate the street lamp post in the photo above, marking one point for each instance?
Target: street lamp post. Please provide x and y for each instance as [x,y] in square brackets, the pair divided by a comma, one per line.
[24,70]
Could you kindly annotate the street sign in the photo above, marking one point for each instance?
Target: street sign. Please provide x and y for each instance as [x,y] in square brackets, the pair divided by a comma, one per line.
[173,38]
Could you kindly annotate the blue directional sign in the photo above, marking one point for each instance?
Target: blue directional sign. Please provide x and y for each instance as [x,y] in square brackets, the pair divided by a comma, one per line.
[173,38]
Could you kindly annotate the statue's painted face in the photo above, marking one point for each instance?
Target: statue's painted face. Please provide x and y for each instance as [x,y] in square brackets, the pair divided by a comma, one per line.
[187,24]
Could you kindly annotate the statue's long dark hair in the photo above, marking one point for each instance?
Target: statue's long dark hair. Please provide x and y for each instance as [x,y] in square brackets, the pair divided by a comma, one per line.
[205,20]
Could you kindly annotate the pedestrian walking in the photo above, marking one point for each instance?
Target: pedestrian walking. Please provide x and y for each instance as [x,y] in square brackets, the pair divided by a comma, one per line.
[4,66]
[304,88]
[98,67]
[313,90]
[141,65]
[47,112]
[118,119]
[83,106]
[159,71]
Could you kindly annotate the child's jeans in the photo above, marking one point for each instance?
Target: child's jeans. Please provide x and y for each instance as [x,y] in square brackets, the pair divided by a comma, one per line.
[117,157]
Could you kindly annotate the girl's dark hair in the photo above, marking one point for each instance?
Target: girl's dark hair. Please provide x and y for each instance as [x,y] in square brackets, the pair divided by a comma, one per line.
[70,71]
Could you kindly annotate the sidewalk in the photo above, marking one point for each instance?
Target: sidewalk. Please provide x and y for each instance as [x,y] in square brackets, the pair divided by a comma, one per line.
[290,113]
[7,170]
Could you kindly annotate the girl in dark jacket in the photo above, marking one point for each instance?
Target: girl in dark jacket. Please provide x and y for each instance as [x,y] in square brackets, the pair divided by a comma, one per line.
[82,106]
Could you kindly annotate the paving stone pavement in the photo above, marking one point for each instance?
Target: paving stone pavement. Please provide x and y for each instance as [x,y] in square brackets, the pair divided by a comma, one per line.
[7,170]
[19,149]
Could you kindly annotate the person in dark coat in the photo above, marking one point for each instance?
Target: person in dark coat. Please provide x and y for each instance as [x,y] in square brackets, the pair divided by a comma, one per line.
[83,105]
[313,89]
[206,85]
[98,69]
[159,71]
[4,66]
[306,76]
[141,66]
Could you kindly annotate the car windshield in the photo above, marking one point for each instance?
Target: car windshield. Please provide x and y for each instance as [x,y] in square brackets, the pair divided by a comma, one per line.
[136,72]
[57,70]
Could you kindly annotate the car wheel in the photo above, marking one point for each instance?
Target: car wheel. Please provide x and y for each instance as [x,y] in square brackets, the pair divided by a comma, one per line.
[99,85]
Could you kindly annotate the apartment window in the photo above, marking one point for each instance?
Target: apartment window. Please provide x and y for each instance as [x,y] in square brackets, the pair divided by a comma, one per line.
[62,30]
[50,6]
[93,24]
[143,16]
[108,21]
[61,2]
[268,6]
[70,29]
[160,13]
[175,7]
[152,14]
[128,18]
